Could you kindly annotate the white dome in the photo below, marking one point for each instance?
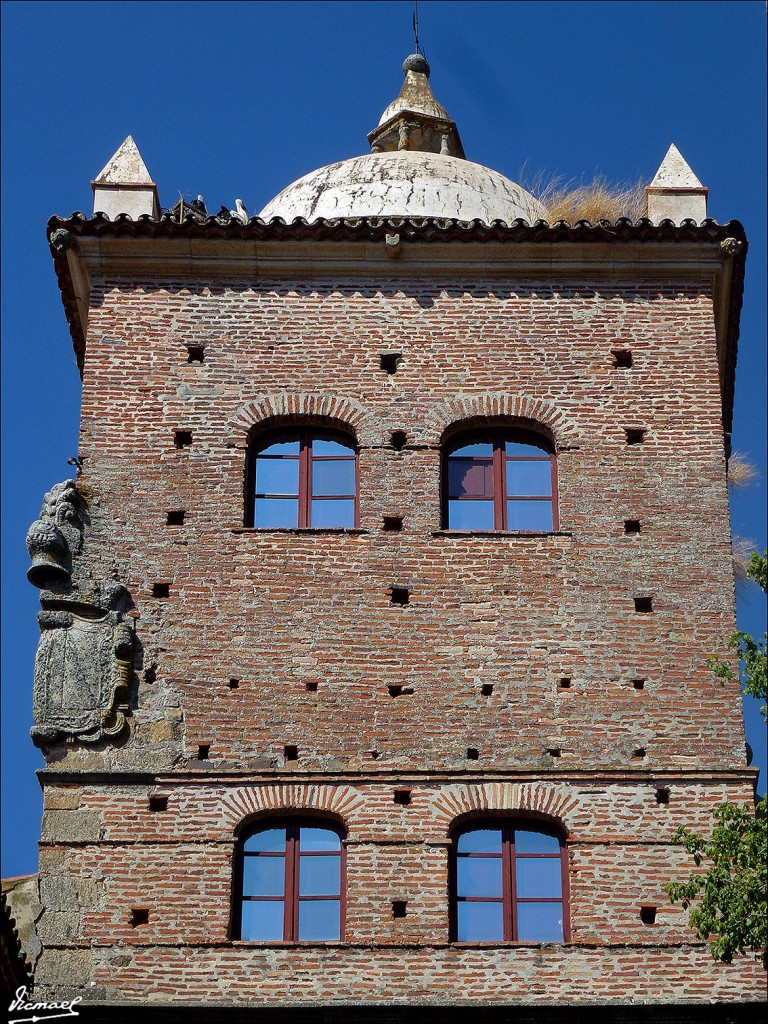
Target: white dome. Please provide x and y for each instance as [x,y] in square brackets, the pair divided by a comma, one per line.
[403,183]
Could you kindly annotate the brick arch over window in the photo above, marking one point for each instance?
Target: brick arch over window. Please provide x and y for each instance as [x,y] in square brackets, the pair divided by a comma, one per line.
[288,408]
[463,412]
[247,802]
[454,803]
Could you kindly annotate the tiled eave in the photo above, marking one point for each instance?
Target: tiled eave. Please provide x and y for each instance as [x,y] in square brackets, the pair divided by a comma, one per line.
[147,247]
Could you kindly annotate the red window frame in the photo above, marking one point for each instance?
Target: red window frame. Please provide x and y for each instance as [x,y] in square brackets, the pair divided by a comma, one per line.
[291,898]
[499,438]
[509,857]
[306,437]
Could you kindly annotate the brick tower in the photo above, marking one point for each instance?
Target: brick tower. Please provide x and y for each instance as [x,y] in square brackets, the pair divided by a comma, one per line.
[372,673]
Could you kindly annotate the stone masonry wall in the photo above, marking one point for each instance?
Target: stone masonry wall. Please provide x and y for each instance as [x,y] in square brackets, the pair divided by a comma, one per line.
[277,610]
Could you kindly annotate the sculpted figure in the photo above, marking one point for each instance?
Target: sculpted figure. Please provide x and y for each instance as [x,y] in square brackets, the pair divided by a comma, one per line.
[85,654]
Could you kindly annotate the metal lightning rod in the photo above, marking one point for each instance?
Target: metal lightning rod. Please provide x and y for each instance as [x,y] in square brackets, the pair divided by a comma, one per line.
[416,26]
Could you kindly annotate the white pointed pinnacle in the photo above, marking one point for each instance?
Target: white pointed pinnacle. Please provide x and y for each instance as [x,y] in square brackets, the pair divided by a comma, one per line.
[675,172]
[676,193]
[125,166]
[125,185]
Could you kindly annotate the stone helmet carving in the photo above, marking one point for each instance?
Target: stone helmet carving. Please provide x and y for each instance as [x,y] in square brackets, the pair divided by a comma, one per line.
[49,552]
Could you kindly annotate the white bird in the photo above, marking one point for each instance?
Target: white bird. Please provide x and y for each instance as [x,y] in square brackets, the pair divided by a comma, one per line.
[240,211]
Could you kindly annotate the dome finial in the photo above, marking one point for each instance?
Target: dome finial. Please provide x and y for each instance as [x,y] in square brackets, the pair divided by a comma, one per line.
[416,62]
[415,120]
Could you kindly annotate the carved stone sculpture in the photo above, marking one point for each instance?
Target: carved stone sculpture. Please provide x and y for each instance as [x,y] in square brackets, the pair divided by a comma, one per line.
[85,654]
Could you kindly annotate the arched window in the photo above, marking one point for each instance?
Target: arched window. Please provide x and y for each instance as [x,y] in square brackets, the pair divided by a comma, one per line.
[303,478]
[510,883]
[289,883]
[500,480]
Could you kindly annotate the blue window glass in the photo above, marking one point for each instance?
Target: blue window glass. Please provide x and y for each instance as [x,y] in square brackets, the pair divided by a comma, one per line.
[319,921]
[264,876]
[480,840]
[478,876]
[333,477]
[262,921]
[508,885]
[529,479]
[306,480]
[277,476]
[529,515]
[500,484]
[319,876]
[470,515]
[276,512]
[291,884]
[540,922]
[538,877]
[480,922]
[333,513]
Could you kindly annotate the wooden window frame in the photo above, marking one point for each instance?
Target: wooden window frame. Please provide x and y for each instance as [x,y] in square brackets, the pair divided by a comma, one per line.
[306,436]
[290,897]
[508,857]
[498,438]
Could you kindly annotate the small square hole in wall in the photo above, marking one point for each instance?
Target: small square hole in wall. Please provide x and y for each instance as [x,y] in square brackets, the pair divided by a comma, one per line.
[564,683]
[638,753]
[398,439]
[158,802]
[402,796]
[662,795]
[392,524]
[631,526]
[472,754]
[195,353]
[643,605]
[234,684]
[639,684]
[622,358]
[150,674]
[389,361]
[312,685]
[399,908]
[161,590]
[291,753]
[139,915]
[486,689]
[203,751]
[635,435]
[375,755]
[400,595]
[399,690]
[554,751]
[175,517]
[648,914]
[182,438]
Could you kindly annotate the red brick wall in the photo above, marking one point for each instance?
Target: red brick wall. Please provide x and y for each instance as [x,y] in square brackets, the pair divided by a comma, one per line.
[279,609]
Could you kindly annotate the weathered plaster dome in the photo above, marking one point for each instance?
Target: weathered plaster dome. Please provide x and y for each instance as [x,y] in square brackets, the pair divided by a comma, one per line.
[416,168]
[402,183]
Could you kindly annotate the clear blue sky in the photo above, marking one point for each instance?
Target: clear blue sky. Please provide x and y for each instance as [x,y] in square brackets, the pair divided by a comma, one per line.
[239,99]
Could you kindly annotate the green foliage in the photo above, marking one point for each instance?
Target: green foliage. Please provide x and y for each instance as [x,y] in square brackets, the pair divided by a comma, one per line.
[730,894]
[751,651]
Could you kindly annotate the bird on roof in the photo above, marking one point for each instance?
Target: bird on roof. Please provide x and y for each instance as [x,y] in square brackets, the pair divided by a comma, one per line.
[239,213]
[224,214]
[199,205]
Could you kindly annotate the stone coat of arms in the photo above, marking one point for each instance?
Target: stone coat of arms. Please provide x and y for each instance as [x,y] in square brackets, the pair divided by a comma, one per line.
[85,654]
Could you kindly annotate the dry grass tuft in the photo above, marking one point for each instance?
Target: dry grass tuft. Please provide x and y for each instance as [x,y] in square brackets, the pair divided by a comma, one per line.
[741,472]
[741,549]
[593,201]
